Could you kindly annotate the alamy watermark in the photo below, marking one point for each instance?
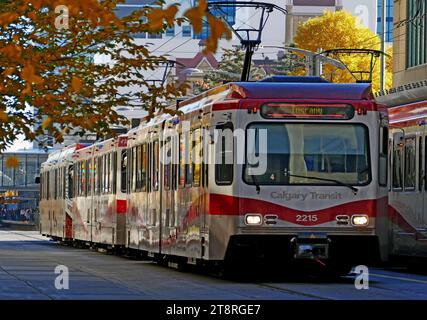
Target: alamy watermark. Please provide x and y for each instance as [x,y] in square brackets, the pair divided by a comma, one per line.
[361,282]
[62,20]
[62,281]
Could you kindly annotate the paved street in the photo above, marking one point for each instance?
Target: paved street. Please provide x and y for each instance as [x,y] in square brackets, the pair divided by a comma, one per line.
[28,260]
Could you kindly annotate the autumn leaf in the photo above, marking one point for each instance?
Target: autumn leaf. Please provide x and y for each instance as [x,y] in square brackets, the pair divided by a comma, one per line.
[28,73]
[218,28]
[76,84]
[341,29]
[46,69]
[3,116]
[156,17]
[195,15]
[9,71]
[12,162]
[7,18]
[47,122]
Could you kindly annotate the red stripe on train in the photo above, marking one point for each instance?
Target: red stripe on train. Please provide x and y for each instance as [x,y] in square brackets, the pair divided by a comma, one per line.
[121,207]
[228,205]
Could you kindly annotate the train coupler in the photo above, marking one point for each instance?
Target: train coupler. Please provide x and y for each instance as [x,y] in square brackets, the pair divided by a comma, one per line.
[312,246]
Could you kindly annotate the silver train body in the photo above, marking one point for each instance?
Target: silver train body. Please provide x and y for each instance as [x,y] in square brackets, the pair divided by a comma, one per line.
[167,189]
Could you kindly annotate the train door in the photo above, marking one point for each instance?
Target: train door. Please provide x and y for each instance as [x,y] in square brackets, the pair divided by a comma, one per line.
[421,197]
[197,183]
[154,197]
[204,205]
[167,193]
[423,180]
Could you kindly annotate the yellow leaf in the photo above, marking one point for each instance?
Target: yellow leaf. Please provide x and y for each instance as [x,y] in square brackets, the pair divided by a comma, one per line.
[76,84]
[46,122]
[12,162]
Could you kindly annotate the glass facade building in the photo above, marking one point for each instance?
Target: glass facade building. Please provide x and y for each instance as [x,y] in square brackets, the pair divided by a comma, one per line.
[416,33]
[388,21]
[21,181]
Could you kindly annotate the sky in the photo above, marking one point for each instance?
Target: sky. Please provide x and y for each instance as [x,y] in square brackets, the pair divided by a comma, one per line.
[20,144]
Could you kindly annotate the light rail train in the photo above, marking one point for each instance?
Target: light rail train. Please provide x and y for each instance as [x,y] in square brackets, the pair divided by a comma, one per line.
[293,169]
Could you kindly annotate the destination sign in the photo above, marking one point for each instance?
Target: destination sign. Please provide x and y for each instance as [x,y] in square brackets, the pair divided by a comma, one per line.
[308,111]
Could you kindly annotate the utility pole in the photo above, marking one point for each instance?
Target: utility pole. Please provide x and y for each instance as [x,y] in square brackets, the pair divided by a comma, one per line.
[383,40]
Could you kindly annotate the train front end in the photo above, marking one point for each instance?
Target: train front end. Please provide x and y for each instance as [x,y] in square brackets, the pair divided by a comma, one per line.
[311,185]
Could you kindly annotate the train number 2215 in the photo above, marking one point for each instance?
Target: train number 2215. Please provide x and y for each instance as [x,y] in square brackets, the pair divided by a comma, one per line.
[306,217]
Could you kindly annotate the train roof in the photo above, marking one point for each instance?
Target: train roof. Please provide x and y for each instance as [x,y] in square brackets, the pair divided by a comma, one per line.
[409,113]
[62,154]
[311,89]
[308,90]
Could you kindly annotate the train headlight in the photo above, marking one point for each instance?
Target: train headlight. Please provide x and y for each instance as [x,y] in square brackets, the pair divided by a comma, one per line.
[253,219]
[359,220]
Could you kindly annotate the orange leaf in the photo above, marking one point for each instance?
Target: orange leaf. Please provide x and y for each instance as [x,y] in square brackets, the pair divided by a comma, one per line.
[3,116]
[76,84]
[218,28]
[46,122]
[8,17]
[28,73]
[9,71]
[12,162]
[196,14]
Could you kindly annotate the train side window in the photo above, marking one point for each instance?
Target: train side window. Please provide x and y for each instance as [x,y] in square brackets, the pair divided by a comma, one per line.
[196,157]
[176,162]
[425,164]
[156,165]
[70,182]
[205,154]
[109,172]
[114,173]
[382,172]
[168,163]
[79,181]
[123,171]
[137,168]
[420,164]
[409,164]
[224,154]
[181,161]
[149,166]
[144,167]
[101,174]
[188,159]
[89,176]
[397,164]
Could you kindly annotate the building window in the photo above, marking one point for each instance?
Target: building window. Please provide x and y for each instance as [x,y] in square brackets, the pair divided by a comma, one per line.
[389,20]
[170,32]
[154,36]
[186,31]
[416,33]
[228,13]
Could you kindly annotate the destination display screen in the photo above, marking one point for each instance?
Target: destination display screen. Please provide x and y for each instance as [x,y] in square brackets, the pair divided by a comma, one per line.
[307,111]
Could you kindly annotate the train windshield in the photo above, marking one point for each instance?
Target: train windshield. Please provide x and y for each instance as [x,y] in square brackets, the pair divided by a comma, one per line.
[297,153]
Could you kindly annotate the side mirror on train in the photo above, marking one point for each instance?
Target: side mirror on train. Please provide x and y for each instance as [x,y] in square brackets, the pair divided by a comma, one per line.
[37,180]
[382,172]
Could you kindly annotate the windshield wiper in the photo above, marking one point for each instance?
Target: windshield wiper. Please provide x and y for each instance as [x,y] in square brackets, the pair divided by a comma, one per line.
[354,189]
[258,188]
